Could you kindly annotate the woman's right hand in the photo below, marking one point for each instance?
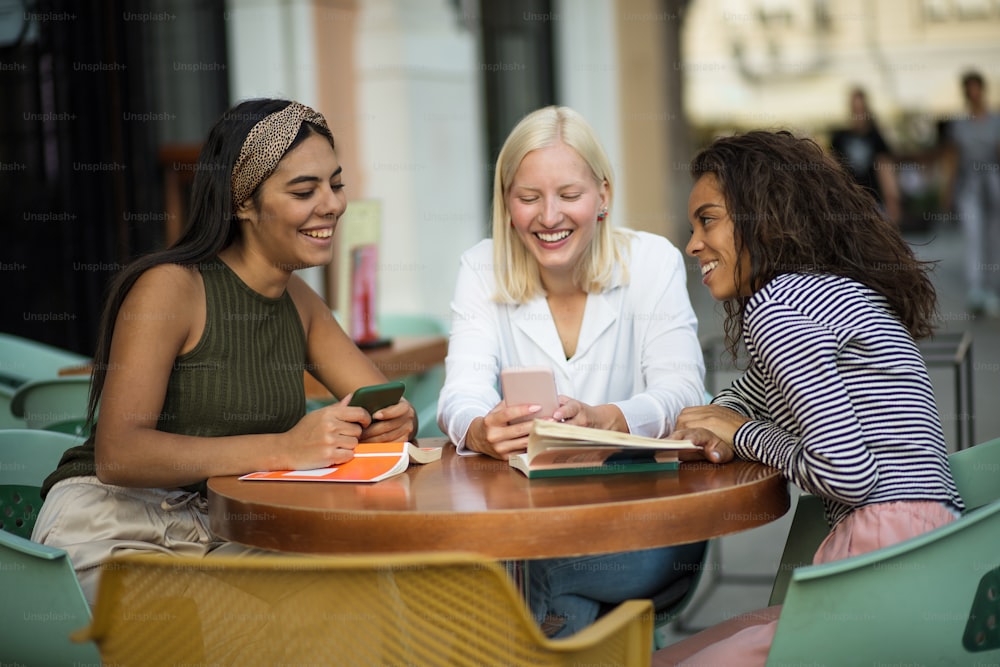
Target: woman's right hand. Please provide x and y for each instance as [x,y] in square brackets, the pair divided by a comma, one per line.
[495,436]
[326,436]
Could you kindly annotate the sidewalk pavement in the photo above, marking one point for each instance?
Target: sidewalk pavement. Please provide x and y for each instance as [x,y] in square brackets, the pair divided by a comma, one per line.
[741,567]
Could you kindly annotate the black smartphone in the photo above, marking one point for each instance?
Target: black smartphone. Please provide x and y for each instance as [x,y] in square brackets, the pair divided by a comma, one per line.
[377,396]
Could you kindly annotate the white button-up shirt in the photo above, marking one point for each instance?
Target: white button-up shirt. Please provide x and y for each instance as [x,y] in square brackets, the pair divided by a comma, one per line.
[638,345]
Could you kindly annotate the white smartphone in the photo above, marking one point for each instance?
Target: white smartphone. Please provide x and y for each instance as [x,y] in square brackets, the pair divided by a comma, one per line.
[530,384]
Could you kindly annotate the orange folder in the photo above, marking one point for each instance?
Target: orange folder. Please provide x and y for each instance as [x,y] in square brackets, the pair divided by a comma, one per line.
[372,462]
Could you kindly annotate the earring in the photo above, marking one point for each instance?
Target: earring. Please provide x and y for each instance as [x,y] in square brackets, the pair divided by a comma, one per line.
[602,215]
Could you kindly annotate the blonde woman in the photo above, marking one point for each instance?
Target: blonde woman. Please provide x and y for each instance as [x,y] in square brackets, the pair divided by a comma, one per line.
[605,307]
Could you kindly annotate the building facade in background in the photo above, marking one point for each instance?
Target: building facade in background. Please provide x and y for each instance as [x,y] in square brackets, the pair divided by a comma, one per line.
[420,94]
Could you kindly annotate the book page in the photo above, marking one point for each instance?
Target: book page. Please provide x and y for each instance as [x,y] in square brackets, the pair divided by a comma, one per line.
[547,434]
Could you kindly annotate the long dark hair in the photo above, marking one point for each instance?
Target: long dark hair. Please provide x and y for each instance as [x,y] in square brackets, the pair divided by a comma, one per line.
[211,223]
[795,209]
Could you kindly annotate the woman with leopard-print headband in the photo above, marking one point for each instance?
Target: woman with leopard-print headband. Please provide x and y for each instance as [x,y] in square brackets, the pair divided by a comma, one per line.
[199,363]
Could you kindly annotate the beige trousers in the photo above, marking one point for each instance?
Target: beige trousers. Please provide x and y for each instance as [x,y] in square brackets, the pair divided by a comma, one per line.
[93,521]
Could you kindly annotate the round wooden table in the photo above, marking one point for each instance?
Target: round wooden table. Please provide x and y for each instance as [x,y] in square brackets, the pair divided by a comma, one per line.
[474,503]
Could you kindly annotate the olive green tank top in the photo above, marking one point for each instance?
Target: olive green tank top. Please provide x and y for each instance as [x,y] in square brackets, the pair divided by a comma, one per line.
[244,376]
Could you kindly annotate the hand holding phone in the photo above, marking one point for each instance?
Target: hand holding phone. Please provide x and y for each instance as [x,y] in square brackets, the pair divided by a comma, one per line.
[534,385]
[377,396]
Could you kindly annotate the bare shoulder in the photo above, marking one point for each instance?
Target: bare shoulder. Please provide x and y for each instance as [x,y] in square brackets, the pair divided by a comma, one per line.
[307,301]
[170,295]
[171,281]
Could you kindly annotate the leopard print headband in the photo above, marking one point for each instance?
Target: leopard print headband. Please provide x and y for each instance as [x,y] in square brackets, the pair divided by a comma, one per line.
[266,144]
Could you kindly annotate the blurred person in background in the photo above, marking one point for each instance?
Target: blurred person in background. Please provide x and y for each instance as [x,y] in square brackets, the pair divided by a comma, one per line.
[972,189]
[867,156]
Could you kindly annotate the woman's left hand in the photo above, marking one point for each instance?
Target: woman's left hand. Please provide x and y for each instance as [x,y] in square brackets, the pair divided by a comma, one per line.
[714,448]
[396,423]
[721,421]
[711,427]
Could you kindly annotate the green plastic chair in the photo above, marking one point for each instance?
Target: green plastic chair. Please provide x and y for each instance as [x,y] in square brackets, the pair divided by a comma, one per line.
[27,457]
[30,359]
[59,403]
[924,601]
[976,471]
[422,389]
[43,604]
[23,360]
[8,386]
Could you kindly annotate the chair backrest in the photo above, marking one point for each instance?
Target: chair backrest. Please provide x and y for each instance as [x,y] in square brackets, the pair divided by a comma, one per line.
[52,401]
[977,473]
[27,456]
[411,324]
[425,609]
[922,601]
[42,606]
[32,360]
[23,360]
[8,387]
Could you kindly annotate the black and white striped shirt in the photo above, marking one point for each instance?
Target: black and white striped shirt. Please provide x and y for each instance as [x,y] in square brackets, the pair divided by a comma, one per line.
[838,396]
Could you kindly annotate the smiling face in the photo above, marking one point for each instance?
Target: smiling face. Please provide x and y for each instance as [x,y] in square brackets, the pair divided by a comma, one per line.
[554,201]
[298,206]
[713,241]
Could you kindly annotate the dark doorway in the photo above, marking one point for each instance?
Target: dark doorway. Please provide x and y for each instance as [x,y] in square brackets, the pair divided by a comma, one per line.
[91,92]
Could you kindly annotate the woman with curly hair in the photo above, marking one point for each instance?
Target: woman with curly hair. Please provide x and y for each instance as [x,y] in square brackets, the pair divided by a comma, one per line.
[828,299]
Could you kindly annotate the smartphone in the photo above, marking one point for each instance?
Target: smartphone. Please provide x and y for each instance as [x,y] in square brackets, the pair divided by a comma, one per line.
[530,384]
[377,396]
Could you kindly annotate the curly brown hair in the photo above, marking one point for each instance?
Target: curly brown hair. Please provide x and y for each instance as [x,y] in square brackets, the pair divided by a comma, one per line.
[795,209]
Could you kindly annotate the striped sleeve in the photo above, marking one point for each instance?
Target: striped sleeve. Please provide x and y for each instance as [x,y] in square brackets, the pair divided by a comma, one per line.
[827,456]
[743,396]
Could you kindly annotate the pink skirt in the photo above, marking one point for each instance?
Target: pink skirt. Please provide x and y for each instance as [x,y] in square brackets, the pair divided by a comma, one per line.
[746,639]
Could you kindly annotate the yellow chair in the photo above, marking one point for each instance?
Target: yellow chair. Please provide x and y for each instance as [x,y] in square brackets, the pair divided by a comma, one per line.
[419,609]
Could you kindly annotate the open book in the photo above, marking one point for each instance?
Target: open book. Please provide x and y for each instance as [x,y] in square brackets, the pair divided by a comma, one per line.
[372,462]
[556,449]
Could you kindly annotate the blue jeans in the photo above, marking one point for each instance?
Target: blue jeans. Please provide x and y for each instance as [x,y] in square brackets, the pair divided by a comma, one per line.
[570,591]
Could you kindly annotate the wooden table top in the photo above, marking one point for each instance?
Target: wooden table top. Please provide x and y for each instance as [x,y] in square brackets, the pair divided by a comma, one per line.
[404,356]
[474,503]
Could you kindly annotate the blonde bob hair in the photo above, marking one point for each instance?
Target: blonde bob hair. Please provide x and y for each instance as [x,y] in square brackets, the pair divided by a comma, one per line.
[517,276]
